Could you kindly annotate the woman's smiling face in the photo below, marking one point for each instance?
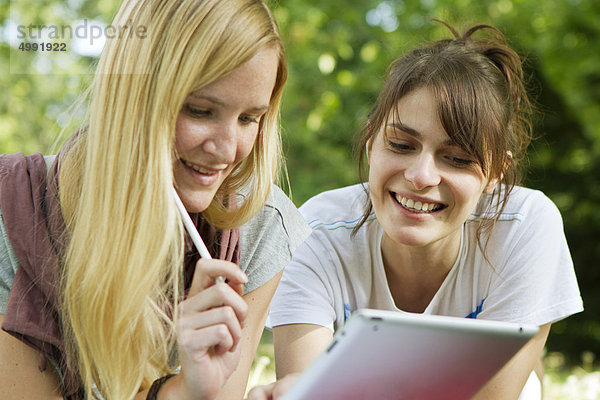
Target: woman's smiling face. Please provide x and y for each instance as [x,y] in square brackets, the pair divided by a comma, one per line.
[423,186]
[218,126]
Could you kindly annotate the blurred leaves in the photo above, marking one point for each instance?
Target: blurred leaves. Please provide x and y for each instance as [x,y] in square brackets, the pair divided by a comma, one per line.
[338,52]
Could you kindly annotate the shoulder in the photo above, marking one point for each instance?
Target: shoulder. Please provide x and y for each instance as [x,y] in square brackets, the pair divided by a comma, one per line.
[278,202]
[278,211]
[269,239]
[536,209]
[343,207]
[333,216]
[530,222]
[530,201]
[531,277]
[278,221]
[524,207]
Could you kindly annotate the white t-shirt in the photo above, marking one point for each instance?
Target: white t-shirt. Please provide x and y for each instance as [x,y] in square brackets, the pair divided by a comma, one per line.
[531,278]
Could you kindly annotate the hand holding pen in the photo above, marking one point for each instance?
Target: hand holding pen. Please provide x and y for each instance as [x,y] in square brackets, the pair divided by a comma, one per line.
[210,322]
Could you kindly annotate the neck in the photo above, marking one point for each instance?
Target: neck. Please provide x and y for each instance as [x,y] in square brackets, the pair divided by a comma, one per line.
[415,274]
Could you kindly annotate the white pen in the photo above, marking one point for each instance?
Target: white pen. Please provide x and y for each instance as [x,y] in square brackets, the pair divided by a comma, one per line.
[193,232]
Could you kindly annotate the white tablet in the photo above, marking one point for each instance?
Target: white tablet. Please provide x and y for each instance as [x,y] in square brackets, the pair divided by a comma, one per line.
[388,355]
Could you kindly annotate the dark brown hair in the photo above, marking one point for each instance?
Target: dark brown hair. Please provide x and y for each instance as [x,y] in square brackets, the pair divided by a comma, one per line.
[481,100]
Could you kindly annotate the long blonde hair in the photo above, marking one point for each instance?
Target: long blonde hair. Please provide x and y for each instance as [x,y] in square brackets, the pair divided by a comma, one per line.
[123,261]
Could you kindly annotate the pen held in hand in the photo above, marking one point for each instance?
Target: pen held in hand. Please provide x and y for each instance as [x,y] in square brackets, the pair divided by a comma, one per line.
[193,232]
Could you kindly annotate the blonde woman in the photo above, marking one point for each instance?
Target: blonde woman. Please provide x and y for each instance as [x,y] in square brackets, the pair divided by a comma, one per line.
[101,292]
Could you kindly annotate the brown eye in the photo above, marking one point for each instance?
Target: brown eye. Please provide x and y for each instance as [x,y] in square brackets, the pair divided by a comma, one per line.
[247,119]
[399,146]
[464,162]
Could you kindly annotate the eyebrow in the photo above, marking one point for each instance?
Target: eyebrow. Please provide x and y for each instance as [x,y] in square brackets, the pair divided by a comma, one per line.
[398,125]
[259,110]
[208,98]
[219,102]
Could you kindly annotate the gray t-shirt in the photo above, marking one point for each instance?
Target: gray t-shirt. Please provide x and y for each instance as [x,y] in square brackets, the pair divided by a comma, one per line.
[267,243]
[8,266]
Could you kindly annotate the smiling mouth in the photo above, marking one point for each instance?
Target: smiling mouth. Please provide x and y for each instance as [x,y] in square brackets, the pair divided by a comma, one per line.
[417,206]
[196,168]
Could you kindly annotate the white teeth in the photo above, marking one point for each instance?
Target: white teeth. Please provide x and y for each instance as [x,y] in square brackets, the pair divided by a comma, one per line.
[199,169]
[417,206]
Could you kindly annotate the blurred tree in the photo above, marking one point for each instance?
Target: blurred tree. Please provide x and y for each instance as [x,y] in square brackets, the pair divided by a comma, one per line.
[338,51]
[39,87]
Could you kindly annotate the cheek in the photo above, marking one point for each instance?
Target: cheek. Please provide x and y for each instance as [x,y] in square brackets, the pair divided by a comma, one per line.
[468,191]
[189,133]
[377,181]
[246,144]
[182,136]
[381,167]
[373,174]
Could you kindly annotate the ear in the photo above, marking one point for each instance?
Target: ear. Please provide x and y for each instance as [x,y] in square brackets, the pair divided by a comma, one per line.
[369,143]
[508,159]
[368,149]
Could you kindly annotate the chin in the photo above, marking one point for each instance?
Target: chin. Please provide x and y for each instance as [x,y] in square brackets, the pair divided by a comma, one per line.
[196,209]
[411,239]
[196,202]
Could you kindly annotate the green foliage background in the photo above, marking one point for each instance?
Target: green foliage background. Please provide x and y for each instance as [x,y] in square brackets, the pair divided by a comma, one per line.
[338,51]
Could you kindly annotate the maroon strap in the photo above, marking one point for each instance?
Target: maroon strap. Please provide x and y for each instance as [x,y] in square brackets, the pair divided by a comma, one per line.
[221,244]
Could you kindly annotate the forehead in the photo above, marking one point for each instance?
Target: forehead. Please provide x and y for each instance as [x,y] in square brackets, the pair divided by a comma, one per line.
[417,114]
[251,82]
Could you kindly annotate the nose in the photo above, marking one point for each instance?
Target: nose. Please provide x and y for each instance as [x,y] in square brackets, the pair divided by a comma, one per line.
[422,172]
[222,142]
